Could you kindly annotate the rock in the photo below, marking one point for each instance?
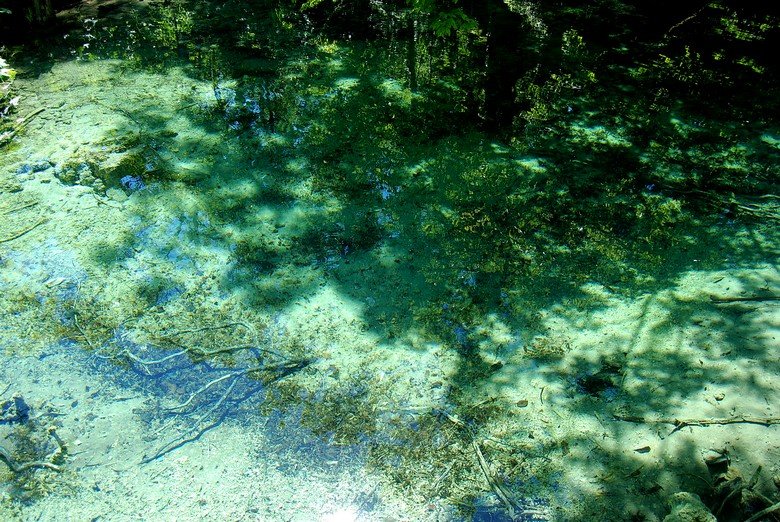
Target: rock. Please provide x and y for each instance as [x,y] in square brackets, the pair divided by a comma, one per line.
[117,195]
[118,165]
[41,165]
[66,173]
[688,507]
[9,186]
[15,410]
[132,183]
[76,171]
[24,169]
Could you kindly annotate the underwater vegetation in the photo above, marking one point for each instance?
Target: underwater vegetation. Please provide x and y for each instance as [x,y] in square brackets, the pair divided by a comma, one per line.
[510,260]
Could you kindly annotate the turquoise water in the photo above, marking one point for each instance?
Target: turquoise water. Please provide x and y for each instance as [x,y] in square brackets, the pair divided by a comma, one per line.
[274,283]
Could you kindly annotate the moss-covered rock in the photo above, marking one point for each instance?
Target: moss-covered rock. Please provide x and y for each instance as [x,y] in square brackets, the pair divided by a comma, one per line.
[688,507]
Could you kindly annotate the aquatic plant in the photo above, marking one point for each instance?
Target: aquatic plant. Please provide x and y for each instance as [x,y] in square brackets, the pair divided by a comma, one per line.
[8,101]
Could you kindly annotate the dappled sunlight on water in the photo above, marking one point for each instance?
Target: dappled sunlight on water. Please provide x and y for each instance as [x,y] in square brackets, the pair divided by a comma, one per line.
[262,291]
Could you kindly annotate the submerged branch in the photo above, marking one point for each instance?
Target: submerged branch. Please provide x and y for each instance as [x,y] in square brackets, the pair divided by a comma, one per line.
[272,373]
[495,484]
[682,423]
[721,300]
[5,456]
[207,386]
[492,482]
[17,209]
[25,231]
[6,137]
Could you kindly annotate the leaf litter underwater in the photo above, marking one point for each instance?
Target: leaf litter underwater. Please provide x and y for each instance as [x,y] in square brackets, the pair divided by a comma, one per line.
[194,325]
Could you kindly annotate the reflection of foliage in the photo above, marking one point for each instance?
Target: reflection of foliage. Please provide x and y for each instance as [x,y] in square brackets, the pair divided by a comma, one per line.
[546,95]
[152,37]
[7,100]
[581,194]
[173,24]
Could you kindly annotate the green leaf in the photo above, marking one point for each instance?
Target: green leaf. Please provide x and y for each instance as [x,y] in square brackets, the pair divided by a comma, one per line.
[452,20]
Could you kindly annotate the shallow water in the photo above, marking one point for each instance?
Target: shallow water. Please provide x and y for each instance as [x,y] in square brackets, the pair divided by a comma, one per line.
[279,292]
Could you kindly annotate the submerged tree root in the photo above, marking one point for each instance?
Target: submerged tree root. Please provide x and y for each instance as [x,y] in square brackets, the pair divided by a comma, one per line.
[277,372]
[216,398]
[761,514]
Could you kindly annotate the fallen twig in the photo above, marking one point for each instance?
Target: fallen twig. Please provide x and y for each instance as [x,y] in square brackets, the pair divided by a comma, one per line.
[221,399]
[682,423]
[719,300]
[211,328]
[734,492]
[24,121]
[685,20]
[82,332]
[26,230]
[209,385]
[182,440]
[273,373]
[492,482]
[143,362]
[16,209]
[442,477]
[19,125]
[18,468]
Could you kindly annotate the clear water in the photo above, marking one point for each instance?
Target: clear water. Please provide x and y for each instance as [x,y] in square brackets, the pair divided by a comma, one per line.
[280,288]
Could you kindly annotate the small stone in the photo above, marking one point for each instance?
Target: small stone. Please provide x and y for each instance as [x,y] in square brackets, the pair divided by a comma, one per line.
[720,396]
[132,183]
[688,507]
[117,195]
[54,281]
[24,169]
[65,174]
[522,403]
[10,186]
